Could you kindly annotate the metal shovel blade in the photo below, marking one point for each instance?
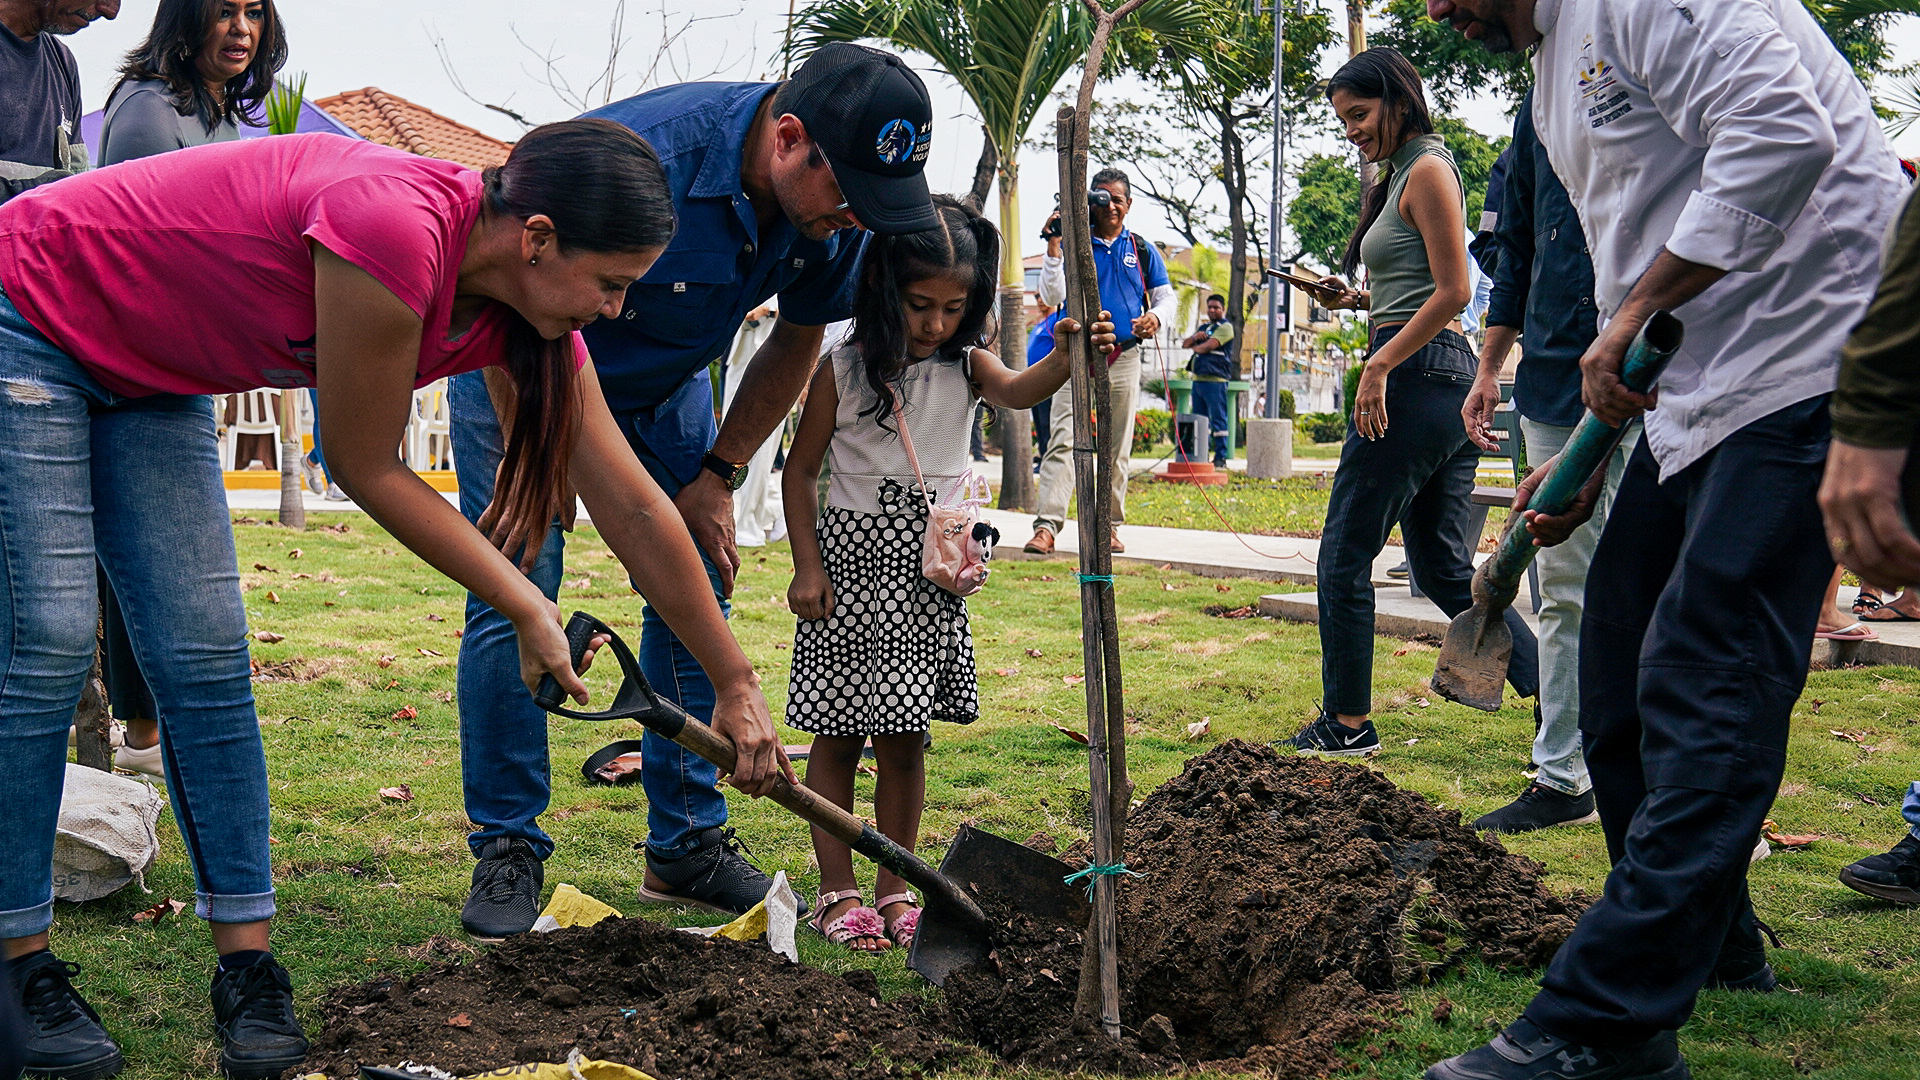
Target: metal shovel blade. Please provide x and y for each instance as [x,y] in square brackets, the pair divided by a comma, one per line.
[1473,659]
[996,872]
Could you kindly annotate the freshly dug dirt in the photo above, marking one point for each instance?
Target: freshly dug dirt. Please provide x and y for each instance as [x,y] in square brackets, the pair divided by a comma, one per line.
[673,1005]
[1282,903]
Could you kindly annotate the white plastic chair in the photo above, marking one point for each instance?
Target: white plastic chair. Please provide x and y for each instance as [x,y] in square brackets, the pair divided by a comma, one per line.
[257,413]
[430,429]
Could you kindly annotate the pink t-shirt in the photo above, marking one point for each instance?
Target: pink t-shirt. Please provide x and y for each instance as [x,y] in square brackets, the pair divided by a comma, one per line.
[189,272]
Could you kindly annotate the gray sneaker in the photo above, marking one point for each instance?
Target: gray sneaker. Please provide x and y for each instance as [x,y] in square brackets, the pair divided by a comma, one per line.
[1539,807]
[505,898]
[714,875]
[1524,1052]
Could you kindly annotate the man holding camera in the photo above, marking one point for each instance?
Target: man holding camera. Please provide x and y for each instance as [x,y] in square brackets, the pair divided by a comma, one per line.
[1215,361]
[1134,287]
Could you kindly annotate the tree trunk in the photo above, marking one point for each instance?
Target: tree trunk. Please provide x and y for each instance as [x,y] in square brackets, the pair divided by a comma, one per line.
[983,171]
[93,725]
[293,507]
[1016,425]
[1356,27]
[1233,178]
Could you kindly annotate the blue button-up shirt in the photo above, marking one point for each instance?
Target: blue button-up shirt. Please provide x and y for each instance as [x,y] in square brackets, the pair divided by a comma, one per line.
[1543,281]
[721,264]
[1124,289]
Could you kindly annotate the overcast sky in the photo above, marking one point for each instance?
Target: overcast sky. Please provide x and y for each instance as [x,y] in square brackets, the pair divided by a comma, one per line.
[348,44]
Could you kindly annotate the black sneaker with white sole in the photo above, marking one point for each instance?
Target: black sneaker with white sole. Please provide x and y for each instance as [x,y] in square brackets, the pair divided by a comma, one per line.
[505,897]
[1524,1052]
[64,1037]
[1893,876]
[1329,737]
[714,875]
[253,1014]
[1539,807]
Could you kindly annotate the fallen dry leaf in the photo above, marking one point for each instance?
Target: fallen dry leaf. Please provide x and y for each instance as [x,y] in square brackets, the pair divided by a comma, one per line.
[580,583]
[1035,653]
[1199,728]
[1221,586]
[387,661]
[431,617]
[391,684]
[405,712]
[1845,735]
[1073,680]
[431,652]
[269,637]
[272,597]
[1048,577]
[1164,567]
[1006,672]
[1771,832]
[1815,703]
[1076,736]
[264,568]
[159,911]
[302,576]
[869,768]
[460,1020]
[403,793]
[295,553]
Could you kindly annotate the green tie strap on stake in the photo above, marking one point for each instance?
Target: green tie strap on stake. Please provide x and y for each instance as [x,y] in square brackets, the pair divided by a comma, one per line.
[1089,579]
[1096,871]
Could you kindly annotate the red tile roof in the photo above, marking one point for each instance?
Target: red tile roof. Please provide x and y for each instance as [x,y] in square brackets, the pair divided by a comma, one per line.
[395,121]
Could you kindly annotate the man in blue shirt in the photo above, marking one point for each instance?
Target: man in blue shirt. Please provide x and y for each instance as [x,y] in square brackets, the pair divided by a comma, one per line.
[772,185]
[1134,288]
[1039,345]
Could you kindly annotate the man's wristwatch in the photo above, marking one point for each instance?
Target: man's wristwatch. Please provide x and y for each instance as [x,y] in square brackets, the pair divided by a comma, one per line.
[734,473]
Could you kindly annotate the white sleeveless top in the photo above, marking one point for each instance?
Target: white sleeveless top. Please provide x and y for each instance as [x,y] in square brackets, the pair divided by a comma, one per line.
[939,404]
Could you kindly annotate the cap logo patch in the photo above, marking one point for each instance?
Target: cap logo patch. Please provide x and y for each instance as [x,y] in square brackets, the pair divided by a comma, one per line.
[896,142]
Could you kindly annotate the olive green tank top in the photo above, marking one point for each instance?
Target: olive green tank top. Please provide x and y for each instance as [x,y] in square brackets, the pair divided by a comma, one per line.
[1398,275]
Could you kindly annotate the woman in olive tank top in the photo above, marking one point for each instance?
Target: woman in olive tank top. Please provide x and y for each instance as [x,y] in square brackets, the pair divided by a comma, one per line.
[1407,459]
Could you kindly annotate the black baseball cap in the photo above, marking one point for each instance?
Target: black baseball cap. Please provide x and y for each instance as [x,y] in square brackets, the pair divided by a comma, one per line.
[871,116]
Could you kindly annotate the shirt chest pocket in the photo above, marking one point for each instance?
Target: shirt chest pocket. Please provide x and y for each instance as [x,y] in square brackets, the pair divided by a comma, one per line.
[685,299]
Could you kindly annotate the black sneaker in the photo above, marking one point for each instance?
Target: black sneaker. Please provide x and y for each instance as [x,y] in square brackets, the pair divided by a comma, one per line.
[64,1036]
[1539,807]
[1893,876]
[253,1015]
[1742,964]
[505,898]
[1524,1052]
[714,875]
[1330,737]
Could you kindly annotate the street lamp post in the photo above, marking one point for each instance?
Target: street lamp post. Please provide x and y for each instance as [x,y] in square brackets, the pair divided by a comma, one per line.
[1279,294]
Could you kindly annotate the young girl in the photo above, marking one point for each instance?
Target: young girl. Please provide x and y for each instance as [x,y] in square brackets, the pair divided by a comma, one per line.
[880,651]
[1418,469]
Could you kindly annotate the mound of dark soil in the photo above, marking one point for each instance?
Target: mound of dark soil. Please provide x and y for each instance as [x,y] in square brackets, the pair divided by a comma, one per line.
[1282,903]
[673,1005]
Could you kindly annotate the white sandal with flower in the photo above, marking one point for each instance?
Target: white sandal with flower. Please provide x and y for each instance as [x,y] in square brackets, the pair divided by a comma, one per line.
[900,931]
[857,923]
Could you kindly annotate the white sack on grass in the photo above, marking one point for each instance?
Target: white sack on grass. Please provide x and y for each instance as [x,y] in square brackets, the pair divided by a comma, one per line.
[106,836]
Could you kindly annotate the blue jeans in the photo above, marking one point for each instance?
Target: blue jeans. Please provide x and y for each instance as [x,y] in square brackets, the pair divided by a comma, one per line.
[1419,474]
[145,470]
[1910,809]
[1210,400]
[503,735]
[1700,602]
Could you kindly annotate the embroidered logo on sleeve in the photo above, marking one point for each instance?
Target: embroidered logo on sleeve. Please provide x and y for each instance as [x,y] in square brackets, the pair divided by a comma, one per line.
[1605,99]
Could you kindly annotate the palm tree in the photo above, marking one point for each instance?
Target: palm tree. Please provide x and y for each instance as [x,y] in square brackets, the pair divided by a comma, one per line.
[1007,56]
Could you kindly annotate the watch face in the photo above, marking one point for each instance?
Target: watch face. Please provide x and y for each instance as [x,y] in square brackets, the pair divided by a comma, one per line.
[739,478]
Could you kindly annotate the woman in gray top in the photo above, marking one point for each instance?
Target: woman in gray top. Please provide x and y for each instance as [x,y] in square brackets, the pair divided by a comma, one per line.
[1418,469]
[205,66]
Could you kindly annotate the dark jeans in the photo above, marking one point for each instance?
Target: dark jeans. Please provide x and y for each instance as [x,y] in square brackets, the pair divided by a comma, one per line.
[1210,400]
[1420,474]
[128,695]
[1702,597]
[1042,424]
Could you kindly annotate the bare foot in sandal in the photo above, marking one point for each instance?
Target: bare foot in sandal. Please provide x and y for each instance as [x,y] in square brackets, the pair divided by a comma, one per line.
[901,914]
[843,920]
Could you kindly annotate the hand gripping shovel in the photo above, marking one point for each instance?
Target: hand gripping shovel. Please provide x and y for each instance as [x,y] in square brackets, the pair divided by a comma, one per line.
[1478,646]
[953,931]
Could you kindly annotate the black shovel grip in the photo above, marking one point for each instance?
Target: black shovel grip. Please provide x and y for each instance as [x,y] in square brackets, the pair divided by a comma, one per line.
[580,630]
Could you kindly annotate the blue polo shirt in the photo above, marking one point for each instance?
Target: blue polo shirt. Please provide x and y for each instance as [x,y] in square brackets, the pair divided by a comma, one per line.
[1123,288]
[1040,340]
[683,314]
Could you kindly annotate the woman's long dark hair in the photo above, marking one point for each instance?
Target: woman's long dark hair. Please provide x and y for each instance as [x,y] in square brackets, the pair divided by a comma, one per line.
[1384,75]
[180,30]
[605,191]
[963,242]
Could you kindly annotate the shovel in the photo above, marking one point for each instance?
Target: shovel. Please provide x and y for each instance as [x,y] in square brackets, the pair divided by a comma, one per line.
[979,866]
[1478,645]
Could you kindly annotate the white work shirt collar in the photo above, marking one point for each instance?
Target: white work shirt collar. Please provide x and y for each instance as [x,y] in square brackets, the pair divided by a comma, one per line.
[1545,14]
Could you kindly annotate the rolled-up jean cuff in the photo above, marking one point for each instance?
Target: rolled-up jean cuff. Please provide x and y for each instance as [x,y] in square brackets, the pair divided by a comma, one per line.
[244,908]
[26,922]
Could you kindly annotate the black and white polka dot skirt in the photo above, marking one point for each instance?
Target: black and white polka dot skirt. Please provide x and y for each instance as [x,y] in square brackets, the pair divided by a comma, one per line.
[895,653]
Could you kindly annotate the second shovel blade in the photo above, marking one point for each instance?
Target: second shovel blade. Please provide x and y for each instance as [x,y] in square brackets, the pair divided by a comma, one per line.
[1473,659]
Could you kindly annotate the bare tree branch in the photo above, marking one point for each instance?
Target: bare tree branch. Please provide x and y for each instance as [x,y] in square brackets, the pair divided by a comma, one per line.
[983,171]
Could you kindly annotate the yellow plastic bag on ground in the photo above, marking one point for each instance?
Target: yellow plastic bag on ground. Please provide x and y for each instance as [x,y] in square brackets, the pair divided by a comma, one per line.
[576,1068]
[777,916]
[571,907]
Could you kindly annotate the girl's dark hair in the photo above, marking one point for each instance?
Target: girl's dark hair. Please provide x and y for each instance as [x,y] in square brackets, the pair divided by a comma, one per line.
[604,190]
[1384,75]
[963,243]
[180,30]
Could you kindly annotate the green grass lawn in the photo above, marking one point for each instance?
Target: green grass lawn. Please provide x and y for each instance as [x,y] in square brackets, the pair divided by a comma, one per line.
[365,884]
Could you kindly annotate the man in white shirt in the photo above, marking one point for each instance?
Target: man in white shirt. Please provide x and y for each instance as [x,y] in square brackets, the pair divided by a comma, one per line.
[1727,166]
[1133,284]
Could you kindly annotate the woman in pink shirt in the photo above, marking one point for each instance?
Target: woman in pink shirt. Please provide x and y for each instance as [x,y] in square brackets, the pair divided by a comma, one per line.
[128,294]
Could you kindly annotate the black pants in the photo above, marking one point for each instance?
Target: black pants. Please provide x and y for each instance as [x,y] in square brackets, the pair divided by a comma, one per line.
[1700,602]
[1420,474]
[127,692]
